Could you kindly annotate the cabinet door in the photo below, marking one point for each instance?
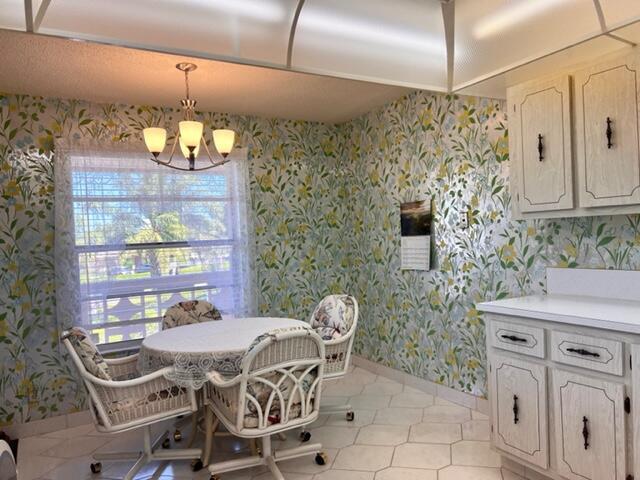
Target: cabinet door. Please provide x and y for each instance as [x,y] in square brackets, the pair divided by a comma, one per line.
[590,427]
[541,146]
[608,156]
[519,407]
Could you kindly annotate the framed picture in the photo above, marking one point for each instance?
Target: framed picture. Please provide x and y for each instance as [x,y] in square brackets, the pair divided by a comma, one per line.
[415,242]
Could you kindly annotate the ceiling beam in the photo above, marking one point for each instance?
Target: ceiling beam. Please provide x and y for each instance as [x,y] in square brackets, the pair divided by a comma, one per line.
[40,15]
[292,32]
[28,15]
[449,20]
[603,25]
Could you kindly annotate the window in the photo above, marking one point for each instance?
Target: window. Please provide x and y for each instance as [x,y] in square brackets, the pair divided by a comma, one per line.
[146,237]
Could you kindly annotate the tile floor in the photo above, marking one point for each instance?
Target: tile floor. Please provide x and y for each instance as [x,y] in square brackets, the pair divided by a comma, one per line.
[399,433]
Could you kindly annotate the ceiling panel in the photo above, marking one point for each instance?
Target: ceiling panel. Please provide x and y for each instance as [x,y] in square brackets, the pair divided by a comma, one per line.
[398,42]
[617,12]
[251,30]
[495,35]
[12,14]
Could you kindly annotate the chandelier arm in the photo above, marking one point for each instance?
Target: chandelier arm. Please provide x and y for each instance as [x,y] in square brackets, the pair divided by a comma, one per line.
[208,167]
[206,148]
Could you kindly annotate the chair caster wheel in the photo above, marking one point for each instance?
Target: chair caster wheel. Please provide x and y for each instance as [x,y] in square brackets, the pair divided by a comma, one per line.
[305,436]
[166,443]
[177,435]
[96,467]
[321,458]
[351,416]
[214,477]
[196,465]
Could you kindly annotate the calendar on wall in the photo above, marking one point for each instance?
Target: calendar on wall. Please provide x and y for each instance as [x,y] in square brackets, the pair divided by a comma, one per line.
[415,242]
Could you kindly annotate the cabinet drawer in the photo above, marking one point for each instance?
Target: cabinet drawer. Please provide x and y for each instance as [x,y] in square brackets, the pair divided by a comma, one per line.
[517,338]
[601,354]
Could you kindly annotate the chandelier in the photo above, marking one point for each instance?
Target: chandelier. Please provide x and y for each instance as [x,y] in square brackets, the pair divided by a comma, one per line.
[190,136]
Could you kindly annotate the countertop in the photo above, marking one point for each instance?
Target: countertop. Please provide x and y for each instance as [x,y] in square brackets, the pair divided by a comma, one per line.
[610,314]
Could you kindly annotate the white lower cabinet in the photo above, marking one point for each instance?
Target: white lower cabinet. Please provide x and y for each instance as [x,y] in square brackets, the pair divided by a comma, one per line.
[519,407]
[589,427]
[566,418]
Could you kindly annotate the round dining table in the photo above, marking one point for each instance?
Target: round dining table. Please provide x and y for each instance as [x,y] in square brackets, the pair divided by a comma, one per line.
[195,350]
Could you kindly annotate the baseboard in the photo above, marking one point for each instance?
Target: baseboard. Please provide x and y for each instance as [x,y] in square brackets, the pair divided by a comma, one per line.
[47,425]
[461,398]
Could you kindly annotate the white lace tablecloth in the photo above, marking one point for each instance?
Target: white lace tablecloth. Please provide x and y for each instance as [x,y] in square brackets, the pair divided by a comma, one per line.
[194,350]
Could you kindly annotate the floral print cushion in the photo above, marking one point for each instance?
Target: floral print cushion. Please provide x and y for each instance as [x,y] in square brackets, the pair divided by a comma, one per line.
[333,317]
[186,313]
[91,358]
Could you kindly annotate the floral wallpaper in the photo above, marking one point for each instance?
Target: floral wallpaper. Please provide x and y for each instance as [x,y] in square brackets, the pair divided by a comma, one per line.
[454,150]
[326,216]
[299,218]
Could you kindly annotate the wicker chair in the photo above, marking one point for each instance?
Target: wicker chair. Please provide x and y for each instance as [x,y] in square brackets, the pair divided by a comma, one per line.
[335,319]
[120,400]
[278,389]
[186,313]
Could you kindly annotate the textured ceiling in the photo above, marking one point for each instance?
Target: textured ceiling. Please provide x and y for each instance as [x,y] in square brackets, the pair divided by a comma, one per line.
[54,67]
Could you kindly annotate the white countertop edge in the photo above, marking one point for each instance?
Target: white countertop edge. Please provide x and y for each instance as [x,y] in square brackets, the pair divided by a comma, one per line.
[560,318]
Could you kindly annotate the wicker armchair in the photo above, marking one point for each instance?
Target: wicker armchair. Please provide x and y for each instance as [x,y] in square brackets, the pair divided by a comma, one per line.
[120,400]
[278,389]
[335,319]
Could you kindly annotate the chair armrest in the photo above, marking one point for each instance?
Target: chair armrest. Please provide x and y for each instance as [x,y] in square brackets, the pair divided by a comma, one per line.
[218,380]
[122,360]
[134,382]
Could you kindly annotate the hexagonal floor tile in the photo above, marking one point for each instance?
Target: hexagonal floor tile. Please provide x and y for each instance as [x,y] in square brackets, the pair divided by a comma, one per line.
[475,430]
[382,388]
[473,453]
[412,400]
[382,435]
[363,457]
[342,388]
[422,455]
[343,475]
[435,433]
[395,473]
[334,437]
[398,416]
[370,402]
[446,414]
[469,473]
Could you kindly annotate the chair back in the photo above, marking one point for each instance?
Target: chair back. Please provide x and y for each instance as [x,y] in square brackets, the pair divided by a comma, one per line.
[279,386]
[186,313]
[335,319]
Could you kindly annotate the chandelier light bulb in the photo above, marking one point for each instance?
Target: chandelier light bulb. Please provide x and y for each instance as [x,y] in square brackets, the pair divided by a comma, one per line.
[185,150]
[191,133]
[224,140]
[155,138]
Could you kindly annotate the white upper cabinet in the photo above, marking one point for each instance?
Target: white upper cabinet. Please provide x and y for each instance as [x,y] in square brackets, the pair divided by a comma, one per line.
[607,121]
[540,145]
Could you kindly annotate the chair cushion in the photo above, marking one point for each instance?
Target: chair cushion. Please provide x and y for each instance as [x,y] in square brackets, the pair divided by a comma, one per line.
[186,313]
[91,358]
[333,317]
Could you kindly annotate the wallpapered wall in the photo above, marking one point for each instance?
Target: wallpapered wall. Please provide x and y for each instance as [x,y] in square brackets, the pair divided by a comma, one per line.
[454,150]
[296,188]
[326,212]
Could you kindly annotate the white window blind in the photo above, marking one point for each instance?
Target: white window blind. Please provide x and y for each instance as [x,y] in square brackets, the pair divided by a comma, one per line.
[146,237]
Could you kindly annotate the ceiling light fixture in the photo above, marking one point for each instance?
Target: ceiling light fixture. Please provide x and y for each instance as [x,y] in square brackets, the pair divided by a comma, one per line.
[190,136]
